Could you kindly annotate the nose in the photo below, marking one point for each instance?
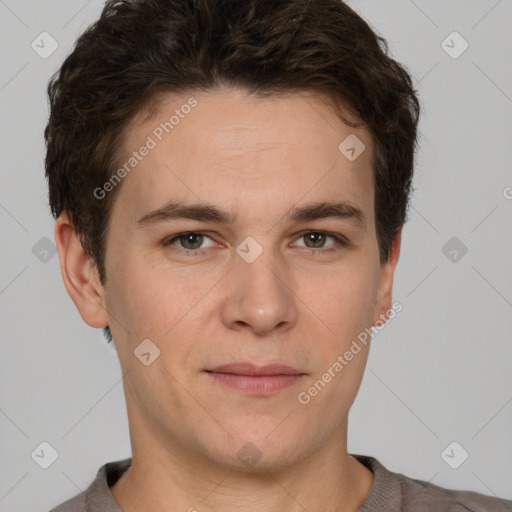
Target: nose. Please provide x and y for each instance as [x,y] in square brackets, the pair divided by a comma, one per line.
[259,296]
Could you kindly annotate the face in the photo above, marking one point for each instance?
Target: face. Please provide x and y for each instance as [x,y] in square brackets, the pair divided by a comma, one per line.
[243,237]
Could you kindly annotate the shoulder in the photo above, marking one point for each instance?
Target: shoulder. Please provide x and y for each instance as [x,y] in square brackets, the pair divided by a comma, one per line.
[97,497]
[406,494]
[419,496]
[76,504]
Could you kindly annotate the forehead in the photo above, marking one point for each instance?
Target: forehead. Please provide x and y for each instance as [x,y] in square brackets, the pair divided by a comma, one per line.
[228,146]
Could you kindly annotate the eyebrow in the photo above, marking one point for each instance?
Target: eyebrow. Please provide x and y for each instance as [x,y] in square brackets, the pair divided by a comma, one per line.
[210,213]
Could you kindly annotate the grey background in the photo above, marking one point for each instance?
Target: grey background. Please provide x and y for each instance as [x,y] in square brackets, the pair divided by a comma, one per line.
[439,372]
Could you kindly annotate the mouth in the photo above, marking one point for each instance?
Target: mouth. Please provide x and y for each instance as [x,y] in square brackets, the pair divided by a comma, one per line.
[250,379]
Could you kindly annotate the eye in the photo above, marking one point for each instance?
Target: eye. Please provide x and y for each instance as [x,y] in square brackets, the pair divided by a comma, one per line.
[194,243]
[318,239]
[189,242]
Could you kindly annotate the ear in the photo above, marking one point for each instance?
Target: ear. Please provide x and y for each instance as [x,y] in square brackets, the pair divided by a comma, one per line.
[383,302]
[80,274]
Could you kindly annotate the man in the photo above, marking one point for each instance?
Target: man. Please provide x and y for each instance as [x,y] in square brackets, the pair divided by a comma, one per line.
[230,180]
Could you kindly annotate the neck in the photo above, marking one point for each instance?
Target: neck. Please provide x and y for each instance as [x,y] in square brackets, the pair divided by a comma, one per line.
[164,477]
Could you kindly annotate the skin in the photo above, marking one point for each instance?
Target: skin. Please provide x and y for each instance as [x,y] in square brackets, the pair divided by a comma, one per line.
[294,305]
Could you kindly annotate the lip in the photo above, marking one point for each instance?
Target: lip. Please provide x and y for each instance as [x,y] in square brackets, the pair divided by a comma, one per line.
[251,379]
[252,369]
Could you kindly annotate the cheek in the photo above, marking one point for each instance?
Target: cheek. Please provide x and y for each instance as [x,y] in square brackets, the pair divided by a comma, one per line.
[155,389]
[346,307]
[157,303]
[135,304]
[344,300]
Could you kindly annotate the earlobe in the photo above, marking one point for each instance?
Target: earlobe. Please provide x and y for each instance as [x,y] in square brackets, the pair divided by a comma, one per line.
[79,274]
[384,293]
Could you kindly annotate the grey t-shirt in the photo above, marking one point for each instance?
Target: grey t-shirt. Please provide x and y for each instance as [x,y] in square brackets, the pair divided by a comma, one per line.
[391,492]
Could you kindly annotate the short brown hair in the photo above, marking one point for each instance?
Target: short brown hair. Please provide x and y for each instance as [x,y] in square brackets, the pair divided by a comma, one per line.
[138,49]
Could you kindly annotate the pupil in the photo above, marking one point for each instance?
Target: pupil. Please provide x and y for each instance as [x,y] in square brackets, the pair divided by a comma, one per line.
[192,239]
[316,238]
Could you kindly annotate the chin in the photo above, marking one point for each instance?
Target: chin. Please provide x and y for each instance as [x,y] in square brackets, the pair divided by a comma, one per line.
[254,454]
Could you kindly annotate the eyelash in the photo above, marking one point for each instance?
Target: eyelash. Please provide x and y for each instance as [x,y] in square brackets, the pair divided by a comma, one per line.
[339,239]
